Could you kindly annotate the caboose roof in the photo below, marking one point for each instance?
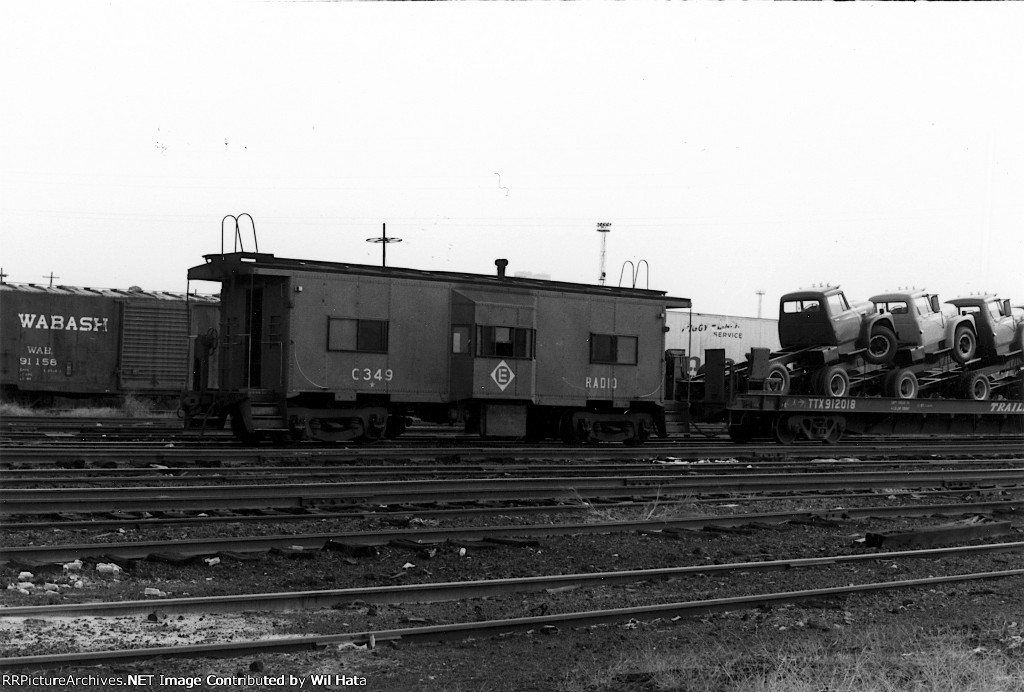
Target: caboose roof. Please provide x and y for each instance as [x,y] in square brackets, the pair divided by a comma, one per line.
[218,267]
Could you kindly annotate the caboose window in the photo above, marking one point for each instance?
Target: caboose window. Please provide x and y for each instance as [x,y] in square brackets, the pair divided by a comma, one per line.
[609,348]
[505,342]
[460,338]
[367,336]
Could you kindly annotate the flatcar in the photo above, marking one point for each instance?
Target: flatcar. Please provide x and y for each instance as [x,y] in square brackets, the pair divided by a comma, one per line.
[335,352]
[64,342]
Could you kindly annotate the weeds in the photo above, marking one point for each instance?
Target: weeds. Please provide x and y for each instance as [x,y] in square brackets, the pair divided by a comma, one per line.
[888,659]
[131,407]
[659,509]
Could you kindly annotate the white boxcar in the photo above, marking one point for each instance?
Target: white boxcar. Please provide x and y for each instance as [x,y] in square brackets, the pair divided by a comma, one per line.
[696,332]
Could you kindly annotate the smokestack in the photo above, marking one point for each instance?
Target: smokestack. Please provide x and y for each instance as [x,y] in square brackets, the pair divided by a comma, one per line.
[501,264]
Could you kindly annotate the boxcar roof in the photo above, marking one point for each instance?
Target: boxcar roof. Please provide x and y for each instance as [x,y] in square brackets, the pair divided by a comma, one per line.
[218,266]
[133,293]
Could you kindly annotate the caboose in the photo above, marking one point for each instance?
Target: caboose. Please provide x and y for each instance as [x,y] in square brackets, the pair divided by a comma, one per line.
[336,352]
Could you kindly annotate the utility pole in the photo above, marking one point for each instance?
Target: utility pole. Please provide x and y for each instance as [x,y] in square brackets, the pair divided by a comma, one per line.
[51,277]
[604,228]
[383,240]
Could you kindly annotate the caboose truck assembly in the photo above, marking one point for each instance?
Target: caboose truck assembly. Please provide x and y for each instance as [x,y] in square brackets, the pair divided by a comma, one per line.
[336,352]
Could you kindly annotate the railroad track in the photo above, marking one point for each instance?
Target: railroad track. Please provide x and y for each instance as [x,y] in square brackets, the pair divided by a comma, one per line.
[159,474]
[58,452]
[371,638]
[421,539]
[35,501]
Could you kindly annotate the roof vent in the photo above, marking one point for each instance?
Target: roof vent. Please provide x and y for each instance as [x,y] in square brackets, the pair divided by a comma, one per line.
[501,264]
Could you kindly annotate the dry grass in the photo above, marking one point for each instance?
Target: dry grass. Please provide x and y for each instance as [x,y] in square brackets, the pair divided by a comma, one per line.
[131,407]
[667,508]
[890,659]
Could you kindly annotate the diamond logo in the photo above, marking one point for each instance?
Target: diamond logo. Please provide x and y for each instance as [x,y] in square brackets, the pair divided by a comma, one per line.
[502,375]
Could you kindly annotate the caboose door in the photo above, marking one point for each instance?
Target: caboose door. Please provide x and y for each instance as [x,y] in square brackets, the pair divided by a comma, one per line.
[253,329]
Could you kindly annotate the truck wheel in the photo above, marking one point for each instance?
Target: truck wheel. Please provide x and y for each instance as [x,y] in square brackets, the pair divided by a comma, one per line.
[881,346]
[777,380]
[901,384]
[833,382]
[965,344]
[977,387]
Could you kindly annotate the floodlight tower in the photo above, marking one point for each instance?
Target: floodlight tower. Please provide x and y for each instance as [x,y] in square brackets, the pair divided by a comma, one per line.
[604,228]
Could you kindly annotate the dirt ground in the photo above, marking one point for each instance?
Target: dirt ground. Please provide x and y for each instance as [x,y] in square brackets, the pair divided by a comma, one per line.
[734,650]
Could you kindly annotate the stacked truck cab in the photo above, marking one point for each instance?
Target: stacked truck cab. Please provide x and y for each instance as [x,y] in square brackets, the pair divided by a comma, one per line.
[829,346]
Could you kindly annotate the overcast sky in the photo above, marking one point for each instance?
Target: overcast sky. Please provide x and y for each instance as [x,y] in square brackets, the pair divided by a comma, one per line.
[734,147]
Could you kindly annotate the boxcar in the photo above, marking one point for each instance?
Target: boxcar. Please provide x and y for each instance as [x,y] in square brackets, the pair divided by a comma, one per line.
[84,342]
[695,333]
[334,351]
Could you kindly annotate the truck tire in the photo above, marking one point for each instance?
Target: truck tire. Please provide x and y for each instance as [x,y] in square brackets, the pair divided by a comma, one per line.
[901,384]
[976,386]
[777,381]
[881,346]
[832,382]
[965,344]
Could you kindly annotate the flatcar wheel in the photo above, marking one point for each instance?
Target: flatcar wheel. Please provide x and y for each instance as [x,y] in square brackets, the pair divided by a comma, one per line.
[782,431]
[741,432]
[834,433]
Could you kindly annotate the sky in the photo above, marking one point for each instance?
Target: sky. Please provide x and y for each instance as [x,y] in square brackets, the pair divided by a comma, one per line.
[735,148]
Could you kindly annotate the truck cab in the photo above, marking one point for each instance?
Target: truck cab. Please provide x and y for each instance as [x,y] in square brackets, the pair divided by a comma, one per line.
[1000,330]
[823,317]
[925,329]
